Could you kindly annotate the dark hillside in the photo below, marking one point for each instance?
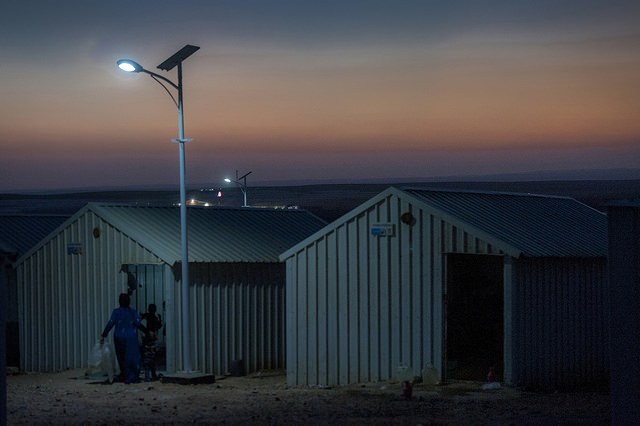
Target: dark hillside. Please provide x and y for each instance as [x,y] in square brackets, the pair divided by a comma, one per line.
[328,201]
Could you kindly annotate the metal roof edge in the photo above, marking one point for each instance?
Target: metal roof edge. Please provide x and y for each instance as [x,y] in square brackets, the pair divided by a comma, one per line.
[502,245]
[481,191]
[95,208]
[401,193]
[338,222]
[518,194]
[515,252]
[51,234]
[102,211]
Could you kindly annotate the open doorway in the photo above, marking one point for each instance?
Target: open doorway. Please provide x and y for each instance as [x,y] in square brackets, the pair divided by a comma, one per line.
[146,286]
[474,317]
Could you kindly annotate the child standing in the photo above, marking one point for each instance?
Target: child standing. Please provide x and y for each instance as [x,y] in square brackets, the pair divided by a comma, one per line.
[154,322]
[149,343]
[149,350]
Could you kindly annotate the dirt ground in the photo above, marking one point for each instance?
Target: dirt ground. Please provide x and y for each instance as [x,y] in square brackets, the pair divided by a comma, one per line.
[72,398]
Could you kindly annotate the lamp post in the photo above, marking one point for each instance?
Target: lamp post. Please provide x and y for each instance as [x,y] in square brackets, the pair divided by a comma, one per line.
[173,61]
[243,185]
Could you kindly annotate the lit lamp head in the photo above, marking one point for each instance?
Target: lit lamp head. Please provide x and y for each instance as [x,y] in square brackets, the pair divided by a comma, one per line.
[129,66]
[227,180]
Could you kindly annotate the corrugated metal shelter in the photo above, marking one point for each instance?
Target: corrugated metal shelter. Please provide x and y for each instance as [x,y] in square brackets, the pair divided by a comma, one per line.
[458,280]
[18,234]
[624,299]
[69,283]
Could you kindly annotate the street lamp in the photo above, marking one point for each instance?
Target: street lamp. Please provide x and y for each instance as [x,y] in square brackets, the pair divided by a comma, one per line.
[176,60]
[243,184]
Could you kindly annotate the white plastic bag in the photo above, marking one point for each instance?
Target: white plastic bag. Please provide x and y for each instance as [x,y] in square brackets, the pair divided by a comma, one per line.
[95,355]
[404,373]
[102,358]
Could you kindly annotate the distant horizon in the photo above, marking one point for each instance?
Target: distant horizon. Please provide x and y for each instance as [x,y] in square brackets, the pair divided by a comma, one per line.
[533,176]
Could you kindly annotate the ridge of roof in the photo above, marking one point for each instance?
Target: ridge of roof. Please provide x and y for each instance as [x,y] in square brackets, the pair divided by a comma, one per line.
[481,191]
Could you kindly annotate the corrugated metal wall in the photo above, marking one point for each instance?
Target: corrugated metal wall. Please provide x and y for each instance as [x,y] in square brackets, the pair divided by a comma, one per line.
[560,323]
[67,290]
[237,313]
[624,307]
[359,305]
[69,287]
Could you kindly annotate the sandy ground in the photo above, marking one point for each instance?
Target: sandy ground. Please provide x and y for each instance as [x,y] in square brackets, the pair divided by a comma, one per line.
[72,398]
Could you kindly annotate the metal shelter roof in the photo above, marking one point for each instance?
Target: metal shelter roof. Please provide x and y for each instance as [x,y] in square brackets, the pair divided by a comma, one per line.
[537,225]
[215,234]
[519,224]
[20,232]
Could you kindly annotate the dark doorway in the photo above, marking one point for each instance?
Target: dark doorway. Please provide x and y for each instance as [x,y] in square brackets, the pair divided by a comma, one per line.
[474,317]
[146,285]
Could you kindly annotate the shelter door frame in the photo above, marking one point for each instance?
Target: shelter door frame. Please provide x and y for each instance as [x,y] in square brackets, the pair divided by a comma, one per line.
[147,282]
[473,317]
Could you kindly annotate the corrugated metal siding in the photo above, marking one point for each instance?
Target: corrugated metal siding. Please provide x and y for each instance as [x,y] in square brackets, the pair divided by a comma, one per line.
[65,299]
[237,313]
[539,226]
[559,322]
[624,308]
[215,234]
[360,305]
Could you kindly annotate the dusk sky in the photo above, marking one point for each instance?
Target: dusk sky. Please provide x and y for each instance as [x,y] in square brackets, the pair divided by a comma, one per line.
[296,90]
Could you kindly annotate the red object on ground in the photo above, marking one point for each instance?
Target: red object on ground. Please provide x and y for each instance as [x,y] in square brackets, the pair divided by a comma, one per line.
[407,389]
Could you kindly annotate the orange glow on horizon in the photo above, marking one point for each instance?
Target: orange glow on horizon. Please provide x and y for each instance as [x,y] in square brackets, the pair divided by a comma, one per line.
[332,90]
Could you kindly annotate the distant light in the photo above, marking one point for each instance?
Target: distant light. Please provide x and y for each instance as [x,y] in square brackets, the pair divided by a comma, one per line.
[227,180]
[129,66]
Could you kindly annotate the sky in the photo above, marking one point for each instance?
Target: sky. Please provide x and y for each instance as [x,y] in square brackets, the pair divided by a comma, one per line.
[302,90]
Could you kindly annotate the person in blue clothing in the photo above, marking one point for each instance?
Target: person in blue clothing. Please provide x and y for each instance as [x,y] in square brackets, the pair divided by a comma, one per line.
[125,337]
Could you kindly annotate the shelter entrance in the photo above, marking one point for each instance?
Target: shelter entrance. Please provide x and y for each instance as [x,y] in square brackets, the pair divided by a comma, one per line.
[474,316]
[146,286]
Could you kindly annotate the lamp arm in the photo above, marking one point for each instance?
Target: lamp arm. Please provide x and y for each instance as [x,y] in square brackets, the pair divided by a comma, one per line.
[155,77]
